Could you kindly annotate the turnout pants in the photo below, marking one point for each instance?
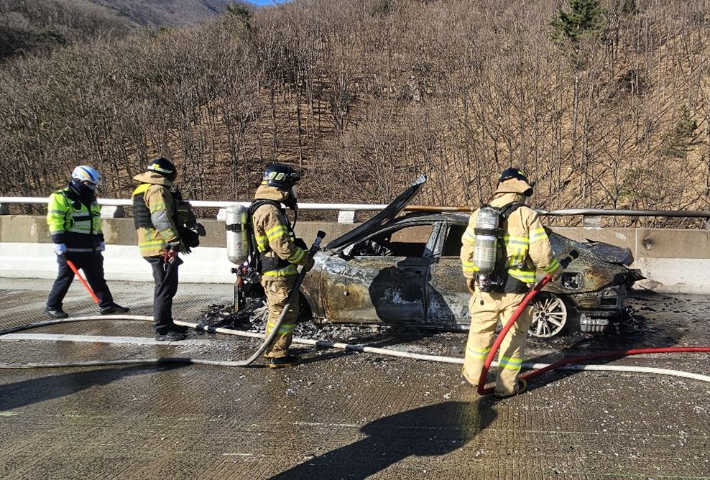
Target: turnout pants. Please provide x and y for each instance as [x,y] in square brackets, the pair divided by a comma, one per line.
[92,264]
[277,290]
[484,318]
[165,276]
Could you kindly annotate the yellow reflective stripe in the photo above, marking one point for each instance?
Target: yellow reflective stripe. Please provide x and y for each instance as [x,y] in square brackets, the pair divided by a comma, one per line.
[276,232]
[480,353]
[510,363]
[554,265]
[526,276]
[283,329]
[168,233]
[468,266]
[142,188]
[510,240]
[469,235]
[283,272]
[297,255]
[154,207]
[537,234]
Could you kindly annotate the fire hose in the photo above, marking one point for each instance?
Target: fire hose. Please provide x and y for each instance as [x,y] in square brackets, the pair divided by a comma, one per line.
[323,344]
[565,364]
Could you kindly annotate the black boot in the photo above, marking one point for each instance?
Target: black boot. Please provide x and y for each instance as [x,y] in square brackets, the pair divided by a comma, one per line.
[114,308]
[56,313]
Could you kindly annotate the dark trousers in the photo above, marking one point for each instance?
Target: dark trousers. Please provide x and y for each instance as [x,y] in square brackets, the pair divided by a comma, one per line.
[92,264]
[165,276]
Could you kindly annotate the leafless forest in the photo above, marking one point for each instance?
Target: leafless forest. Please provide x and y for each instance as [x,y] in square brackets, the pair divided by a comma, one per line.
[604,102]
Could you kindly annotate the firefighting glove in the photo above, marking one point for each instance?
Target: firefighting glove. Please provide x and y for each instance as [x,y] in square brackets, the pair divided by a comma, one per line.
[309,264]
[60,248]
[471,284]
[171,253]
[102,247]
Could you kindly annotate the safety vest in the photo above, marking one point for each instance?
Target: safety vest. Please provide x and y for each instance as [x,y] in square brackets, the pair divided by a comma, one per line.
[73,223]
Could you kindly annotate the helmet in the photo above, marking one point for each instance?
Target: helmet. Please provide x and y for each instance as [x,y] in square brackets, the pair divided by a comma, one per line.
[83,173]
[164,167]
[523,184]
[280,176]
[509,173]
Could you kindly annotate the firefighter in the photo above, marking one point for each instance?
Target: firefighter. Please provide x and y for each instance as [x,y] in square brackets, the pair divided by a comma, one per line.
[279,253]
[159,241]
[525,246]
[74,220]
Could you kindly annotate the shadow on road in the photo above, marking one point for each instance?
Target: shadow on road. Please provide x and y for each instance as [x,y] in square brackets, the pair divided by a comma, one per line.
[423,432]
[50,387]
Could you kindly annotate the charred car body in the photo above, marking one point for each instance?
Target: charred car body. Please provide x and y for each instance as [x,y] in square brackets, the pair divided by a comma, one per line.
[406,271]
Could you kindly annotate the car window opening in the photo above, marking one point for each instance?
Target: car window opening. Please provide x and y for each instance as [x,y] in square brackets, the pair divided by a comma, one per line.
[405,242]
[452,243]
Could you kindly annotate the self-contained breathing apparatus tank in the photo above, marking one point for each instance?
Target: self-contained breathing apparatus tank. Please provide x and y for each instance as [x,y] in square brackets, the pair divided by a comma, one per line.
[237,234]
[485,249]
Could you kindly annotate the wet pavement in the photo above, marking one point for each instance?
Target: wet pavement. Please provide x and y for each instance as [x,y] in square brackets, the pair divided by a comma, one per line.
[342,414]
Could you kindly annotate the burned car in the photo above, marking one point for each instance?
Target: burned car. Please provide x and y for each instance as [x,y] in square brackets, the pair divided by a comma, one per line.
[406,271]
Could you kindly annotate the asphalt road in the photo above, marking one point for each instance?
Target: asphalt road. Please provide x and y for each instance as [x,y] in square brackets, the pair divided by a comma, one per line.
[341,414]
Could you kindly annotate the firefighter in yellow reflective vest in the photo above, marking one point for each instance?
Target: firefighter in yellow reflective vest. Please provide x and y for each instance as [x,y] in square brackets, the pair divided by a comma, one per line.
[526,246]
[280,253]
[154,216]
[74,220]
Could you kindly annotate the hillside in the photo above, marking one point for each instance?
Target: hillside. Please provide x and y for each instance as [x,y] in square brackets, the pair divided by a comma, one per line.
[606,111]
[166,12]
[28,26]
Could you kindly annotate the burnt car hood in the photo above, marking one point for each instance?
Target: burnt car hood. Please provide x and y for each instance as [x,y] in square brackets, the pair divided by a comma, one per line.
[381,219]
[611,253]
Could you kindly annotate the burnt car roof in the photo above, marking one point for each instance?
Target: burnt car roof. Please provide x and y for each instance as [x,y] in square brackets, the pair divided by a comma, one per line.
[603,251]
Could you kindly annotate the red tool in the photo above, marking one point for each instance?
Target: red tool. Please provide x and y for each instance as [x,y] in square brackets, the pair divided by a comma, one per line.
[83,282]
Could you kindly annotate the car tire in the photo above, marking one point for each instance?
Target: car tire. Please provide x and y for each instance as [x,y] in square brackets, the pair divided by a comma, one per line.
[551,315]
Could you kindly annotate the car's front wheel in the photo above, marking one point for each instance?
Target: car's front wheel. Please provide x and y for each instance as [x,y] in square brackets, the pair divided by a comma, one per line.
[549,315]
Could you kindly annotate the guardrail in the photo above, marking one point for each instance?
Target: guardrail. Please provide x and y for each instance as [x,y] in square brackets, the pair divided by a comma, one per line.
[347,211]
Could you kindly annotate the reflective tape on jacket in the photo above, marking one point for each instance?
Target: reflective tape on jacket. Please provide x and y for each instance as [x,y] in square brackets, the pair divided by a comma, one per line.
[554,265]
[282,272]
[297,255]
[524,275]
[276,232]
[469,235]
[469,266]
[537,235]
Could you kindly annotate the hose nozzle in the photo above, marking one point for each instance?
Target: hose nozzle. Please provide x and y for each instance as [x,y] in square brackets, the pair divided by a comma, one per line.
[568,259]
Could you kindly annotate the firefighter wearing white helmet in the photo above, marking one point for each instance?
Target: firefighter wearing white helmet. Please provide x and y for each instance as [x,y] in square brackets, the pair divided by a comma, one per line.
[501,248]
[74,221]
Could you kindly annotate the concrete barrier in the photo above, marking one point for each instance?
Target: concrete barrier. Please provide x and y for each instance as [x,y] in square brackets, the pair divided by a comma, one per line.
[672,260]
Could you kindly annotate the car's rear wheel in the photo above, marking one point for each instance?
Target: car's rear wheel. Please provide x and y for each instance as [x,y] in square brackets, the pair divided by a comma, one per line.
[549,315]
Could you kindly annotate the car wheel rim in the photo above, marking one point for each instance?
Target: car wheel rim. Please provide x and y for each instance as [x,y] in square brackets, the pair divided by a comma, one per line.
[549,316]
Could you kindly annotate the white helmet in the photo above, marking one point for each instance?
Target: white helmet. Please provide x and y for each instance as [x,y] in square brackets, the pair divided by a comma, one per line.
[86,174]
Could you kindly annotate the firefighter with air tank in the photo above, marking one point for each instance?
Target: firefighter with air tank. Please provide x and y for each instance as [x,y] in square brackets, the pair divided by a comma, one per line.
[277,255]
[501,248]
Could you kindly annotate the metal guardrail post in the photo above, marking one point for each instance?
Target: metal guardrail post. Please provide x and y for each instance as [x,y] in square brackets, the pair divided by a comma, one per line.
[591,221]
[346,216]
[112,212]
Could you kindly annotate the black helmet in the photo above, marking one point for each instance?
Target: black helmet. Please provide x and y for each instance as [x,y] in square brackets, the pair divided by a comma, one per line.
[509,173]
[164,167]
[280,176]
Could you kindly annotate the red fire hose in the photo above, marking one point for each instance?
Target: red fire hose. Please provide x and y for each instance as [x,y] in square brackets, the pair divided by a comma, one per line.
[482,390]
